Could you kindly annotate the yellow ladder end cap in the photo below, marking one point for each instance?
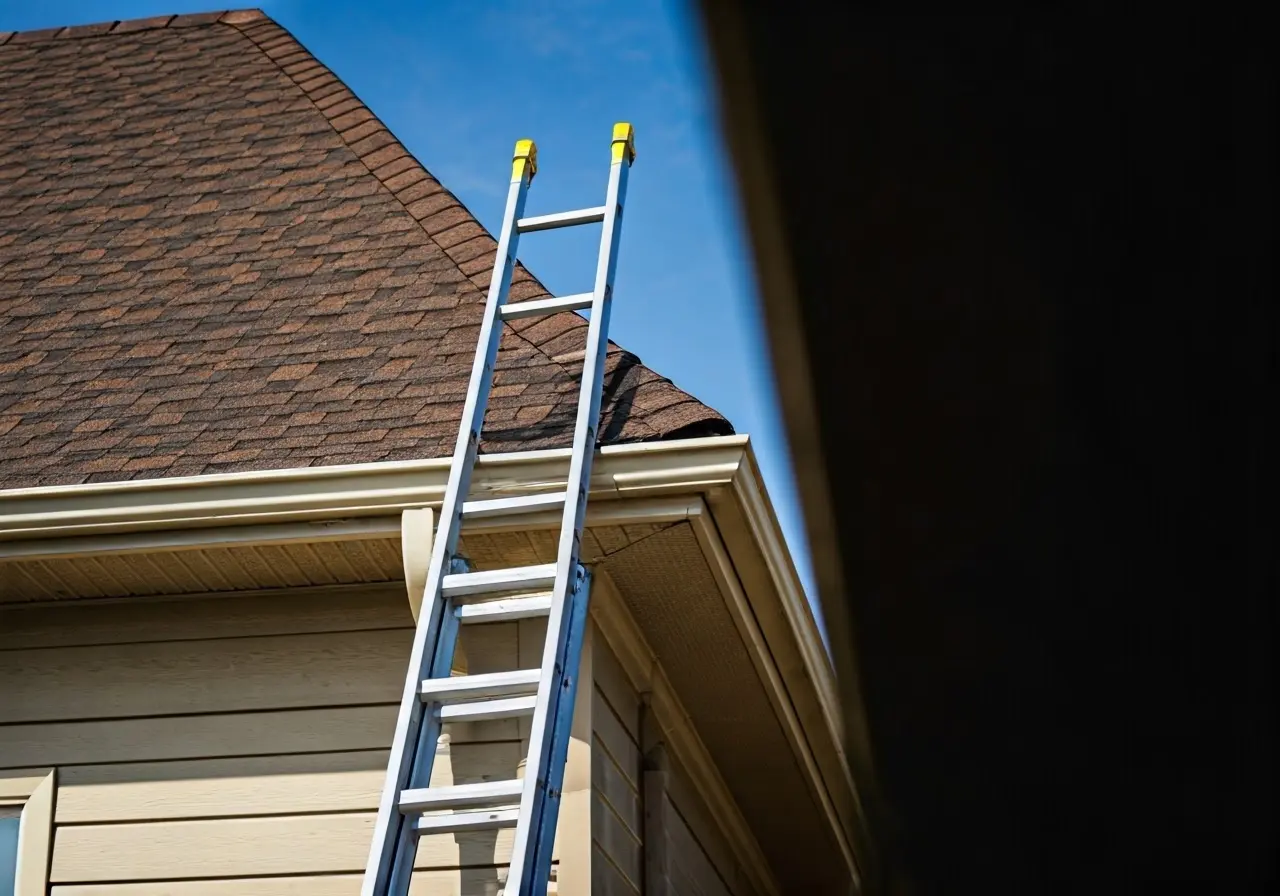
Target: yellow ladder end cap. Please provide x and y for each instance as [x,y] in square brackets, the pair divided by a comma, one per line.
[526,155]
[624,142]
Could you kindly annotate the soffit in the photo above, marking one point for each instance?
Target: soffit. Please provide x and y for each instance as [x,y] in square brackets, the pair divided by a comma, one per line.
[670,591]
[270,566]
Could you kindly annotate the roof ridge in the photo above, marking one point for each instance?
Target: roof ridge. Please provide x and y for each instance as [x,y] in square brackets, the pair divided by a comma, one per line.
[391,163]
[97,29]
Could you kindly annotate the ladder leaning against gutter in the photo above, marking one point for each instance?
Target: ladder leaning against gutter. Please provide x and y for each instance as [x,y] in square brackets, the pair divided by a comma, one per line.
[456,596]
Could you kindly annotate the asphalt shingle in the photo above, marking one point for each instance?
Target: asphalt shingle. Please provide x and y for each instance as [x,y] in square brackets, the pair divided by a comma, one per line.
[214,257]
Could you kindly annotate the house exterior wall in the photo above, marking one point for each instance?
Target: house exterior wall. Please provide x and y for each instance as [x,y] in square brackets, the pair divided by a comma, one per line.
[652,835]
[234,745]
[229,745]
[617,774]
[686,854]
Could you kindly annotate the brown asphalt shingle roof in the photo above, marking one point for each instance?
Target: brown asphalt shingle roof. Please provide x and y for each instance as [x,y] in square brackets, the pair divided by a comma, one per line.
[214,257]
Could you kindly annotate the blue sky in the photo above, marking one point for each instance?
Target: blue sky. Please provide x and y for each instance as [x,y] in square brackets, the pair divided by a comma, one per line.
[459,81]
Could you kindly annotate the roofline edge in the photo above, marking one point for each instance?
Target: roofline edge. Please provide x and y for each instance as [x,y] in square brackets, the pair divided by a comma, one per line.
[852,768]
[311,494]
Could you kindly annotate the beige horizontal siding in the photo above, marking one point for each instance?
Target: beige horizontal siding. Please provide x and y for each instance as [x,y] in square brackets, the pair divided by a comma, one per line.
[225,788]
[700,860]
[617,819]
[617,842]
[689,869]
[610,782]
[220,616]
[189,736]
[467,882]
[609,734]
[694,852]
[235,847]
[220,675]
[617,690]
[606,879]
[217,746]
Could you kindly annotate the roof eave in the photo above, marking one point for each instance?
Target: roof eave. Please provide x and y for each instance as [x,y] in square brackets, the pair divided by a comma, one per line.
[640,482]
[316,495]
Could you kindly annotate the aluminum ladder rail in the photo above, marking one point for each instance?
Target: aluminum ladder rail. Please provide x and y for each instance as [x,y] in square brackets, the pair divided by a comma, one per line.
[456,596]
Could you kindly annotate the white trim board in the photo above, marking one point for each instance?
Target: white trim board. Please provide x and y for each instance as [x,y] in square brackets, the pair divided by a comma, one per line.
[34,792]
[599,513]
[360,490]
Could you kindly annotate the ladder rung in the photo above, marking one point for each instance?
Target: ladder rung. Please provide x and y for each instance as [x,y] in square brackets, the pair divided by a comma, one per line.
[521,504]
[508,609]
[487,710]
[467,821]
[462,796]
[538,307]
[489,581]
[561,219]
[519,683]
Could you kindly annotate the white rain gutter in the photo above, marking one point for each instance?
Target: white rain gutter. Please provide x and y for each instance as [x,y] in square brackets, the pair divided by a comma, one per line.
[344,497]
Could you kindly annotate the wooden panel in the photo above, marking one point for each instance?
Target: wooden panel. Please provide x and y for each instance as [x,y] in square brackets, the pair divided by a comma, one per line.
[35,580]
[309,844]
[255,567]
[19,583]
[181,618]
[683,883]
[467,882]
[483,648]
[189,737]
[610,539]
[616,687]
[684,805]
[494,550]
[126,575]
[657,870]
[691,872]
[606,879]
[618,843]
[273,672]
[340,565]
[610,734]
[611,783]
[292,569]
[239,568]
[273,785]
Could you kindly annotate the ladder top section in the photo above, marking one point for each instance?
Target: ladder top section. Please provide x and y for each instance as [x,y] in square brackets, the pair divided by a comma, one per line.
[524,158]
[624,142]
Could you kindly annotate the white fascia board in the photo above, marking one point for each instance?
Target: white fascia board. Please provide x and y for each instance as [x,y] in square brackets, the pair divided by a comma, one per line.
[743,542]
[343,493]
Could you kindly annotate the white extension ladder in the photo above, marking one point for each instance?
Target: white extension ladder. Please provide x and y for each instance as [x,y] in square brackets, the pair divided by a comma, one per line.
[456,596]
